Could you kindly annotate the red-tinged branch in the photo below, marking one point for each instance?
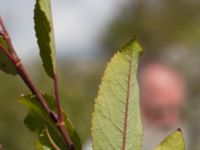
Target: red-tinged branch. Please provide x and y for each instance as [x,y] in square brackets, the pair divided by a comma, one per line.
[10,56]
[58,119]
[127,108]
[56,91]
[61,121]
[3,26]
[26,79]
[15,59]
[1,34]
[5,34]
[66,136]
[61,127]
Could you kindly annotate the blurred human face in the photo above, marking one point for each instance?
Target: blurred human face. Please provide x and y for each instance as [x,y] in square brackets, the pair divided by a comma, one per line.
[162,95]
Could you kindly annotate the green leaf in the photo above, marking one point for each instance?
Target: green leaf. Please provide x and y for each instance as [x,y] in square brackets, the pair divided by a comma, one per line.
[39,146]
[116,120]
[37,120]
[45,141]
[174,141]
[45,35]
[6,64]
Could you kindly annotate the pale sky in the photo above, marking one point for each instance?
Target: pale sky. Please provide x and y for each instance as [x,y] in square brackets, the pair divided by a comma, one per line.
[77,23]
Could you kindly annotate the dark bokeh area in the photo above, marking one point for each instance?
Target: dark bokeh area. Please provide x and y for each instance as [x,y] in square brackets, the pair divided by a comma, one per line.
[167,30]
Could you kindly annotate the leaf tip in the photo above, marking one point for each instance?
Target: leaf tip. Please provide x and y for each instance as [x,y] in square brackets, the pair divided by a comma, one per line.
[179,129]
[133,45]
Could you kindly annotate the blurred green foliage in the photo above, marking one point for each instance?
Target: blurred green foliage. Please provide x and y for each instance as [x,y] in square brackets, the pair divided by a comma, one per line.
[157,24]
[78,82]
[13,135]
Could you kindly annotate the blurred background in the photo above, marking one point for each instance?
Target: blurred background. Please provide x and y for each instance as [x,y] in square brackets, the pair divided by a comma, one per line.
[88,33]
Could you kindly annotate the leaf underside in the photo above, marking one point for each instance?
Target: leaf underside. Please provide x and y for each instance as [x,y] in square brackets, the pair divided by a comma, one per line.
[38,121]
[116,120]
[45,35]
[174,141]
[6,64]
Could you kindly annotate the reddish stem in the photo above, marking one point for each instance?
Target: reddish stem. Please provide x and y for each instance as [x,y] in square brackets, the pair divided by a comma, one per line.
[59,109]
[58,119]
[26,79]
[7,37]
[61,122]
[61,125]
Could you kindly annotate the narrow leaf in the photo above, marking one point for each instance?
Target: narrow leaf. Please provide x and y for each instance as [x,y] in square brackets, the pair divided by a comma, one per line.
[45,141]
[37,120]
[45,35]
[174,141]
[116,120]
[6,64]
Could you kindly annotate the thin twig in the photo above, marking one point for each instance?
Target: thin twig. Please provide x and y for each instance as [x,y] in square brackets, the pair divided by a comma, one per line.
[7,37]
[24,76]
[61,122]
[26,79]
[59,109]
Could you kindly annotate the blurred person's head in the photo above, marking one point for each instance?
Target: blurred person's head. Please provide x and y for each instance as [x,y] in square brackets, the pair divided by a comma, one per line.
[162,93]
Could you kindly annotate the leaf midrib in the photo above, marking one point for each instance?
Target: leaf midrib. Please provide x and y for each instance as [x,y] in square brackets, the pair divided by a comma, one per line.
[126,107]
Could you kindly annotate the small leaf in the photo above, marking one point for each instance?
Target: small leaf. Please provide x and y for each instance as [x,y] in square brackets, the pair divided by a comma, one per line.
[45,35]
[116,120]
[37,120]
[6,64]
[174,141]
[39,146]
[45,141]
